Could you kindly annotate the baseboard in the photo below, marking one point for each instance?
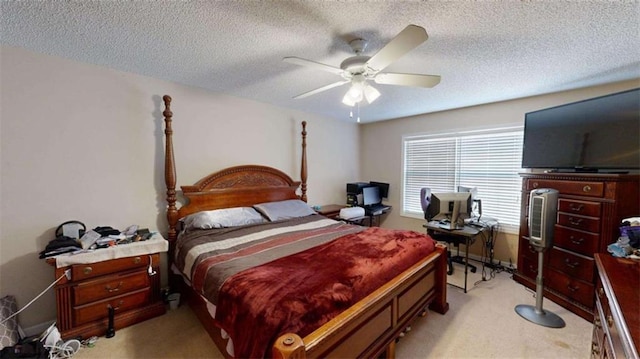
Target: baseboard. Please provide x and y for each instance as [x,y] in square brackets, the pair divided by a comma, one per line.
[37,329]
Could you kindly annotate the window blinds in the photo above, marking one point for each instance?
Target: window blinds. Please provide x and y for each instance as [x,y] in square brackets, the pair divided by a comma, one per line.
[488,160]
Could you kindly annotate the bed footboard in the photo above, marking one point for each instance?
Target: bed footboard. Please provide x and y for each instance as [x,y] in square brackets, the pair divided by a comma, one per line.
[370,328]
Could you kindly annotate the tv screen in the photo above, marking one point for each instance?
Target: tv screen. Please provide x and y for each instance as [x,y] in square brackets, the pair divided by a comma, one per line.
[599,133]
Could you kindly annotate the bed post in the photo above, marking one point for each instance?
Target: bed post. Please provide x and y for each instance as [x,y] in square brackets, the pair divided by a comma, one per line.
[303,167]
[170,173]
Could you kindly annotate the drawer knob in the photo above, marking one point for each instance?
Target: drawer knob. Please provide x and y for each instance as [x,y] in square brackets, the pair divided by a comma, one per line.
[576,207]
[137,260]
[87,270]
[572,289]
[116,307]
[568,263]
[609,320]
[535,184]
[576,241]
[601,292]
[586,188]
[575,221]
[111,290]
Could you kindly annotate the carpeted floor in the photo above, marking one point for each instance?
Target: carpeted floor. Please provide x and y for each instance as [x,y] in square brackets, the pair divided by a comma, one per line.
[480,324]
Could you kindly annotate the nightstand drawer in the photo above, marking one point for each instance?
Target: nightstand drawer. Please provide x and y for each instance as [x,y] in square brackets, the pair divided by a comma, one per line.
[93,290]
[90,312]
[85,271]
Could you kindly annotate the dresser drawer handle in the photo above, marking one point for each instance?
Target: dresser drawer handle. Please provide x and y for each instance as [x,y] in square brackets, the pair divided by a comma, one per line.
[568,263]
[111,290]
[137,260]
[572,289]
[609,320]
[576,241]
[586,188]
[601,292]
[575,222]
[87,270]
[576,207]
[535,184]
[116,307]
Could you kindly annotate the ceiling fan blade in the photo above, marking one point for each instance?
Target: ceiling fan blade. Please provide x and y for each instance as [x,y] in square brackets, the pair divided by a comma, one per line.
[323,88]
[405,41]
[415,80]
[316,65]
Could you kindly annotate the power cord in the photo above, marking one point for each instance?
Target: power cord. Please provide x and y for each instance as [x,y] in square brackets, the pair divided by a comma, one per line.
[63,350]
[67,274]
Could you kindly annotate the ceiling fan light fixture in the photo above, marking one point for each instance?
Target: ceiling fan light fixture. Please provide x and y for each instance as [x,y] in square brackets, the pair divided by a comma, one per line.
[370,93]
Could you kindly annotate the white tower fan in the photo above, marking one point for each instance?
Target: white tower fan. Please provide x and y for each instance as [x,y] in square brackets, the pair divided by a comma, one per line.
[542,218]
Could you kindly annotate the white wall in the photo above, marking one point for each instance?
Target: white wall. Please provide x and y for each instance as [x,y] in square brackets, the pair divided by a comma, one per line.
[85,142]
[381,145]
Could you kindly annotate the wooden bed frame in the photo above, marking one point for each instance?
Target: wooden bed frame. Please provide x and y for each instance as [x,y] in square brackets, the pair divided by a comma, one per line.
[367,329]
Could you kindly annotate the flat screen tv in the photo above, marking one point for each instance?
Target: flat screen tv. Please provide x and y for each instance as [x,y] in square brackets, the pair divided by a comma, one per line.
[602,133]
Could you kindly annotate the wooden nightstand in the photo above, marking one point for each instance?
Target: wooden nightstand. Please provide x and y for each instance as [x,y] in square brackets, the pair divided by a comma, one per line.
[331,210]
[130,284]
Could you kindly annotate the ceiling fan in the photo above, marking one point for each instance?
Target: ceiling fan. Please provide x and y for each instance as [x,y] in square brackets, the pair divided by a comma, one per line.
[359,69]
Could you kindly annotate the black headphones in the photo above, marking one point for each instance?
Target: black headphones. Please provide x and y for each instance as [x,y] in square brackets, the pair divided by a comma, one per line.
[60,232]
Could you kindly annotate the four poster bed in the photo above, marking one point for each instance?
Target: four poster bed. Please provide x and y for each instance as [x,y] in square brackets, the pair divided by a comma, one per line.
[267,276]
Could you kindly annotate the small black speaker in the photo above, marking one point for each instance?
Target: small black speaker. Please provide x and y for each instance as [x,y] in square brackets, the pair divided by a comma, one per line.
[543,204]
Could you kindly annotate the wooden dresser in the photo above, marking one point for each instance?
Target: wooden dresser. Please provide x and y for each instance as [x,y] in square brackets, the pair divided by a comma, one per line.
[125,284]
[590,208]
[616,324]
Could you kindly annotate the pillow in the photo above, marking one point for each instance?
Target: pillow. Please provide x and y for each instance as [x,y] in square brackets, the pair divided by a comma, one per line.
[291,208]
[9,335]
[219,218]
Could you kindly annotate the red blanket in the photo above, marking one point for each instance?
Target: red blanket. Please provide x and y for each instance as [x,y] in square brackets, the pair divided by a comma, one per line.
[300,292]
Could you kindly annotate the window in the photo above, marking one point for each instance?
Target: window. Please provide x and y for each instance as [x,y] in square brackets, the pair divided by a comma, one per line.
[489,160]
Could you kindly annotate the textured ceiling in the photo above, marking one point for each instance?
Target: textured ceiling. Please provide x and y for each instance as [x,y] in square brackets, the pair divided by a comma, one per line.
[485,51]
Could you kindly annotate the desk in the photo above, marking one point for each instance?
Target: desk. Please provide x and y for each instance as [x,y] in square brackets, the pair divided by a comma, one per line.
[371,217]
[468,233]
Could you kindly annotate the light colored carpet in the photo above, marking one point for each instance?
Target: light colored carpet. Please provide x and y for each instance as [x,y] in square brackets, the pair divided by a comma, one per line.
[480,324]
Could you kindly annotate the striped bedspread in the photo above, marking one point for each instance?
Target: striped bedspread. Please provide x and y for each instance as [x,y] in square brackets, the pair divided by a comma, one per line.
[291,276]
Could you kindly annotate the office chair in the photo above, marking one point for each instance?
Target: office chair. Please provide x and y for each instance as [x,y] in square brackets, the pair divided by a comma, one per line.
[425,200]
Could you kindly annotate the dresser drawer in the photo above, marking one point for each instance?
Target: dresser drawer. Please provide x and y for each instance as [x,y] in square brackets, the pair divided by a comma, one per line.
[588,224]
[577,290]
[86,271]
[114,285]
[580,188]
[577,241]
[530,269]
[527,249]
[574,265]
[583,208]
[99,310]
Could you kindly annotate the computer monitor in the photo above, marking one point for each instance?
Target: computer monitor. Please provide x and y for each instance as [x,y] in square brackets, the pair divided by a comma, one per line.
[475,205]
[450,208]
[384,188]
[371,195]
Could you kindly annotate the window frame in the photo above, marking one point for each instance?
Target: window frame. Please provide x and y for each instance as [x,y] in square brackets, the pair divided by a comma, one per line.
[456,134]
